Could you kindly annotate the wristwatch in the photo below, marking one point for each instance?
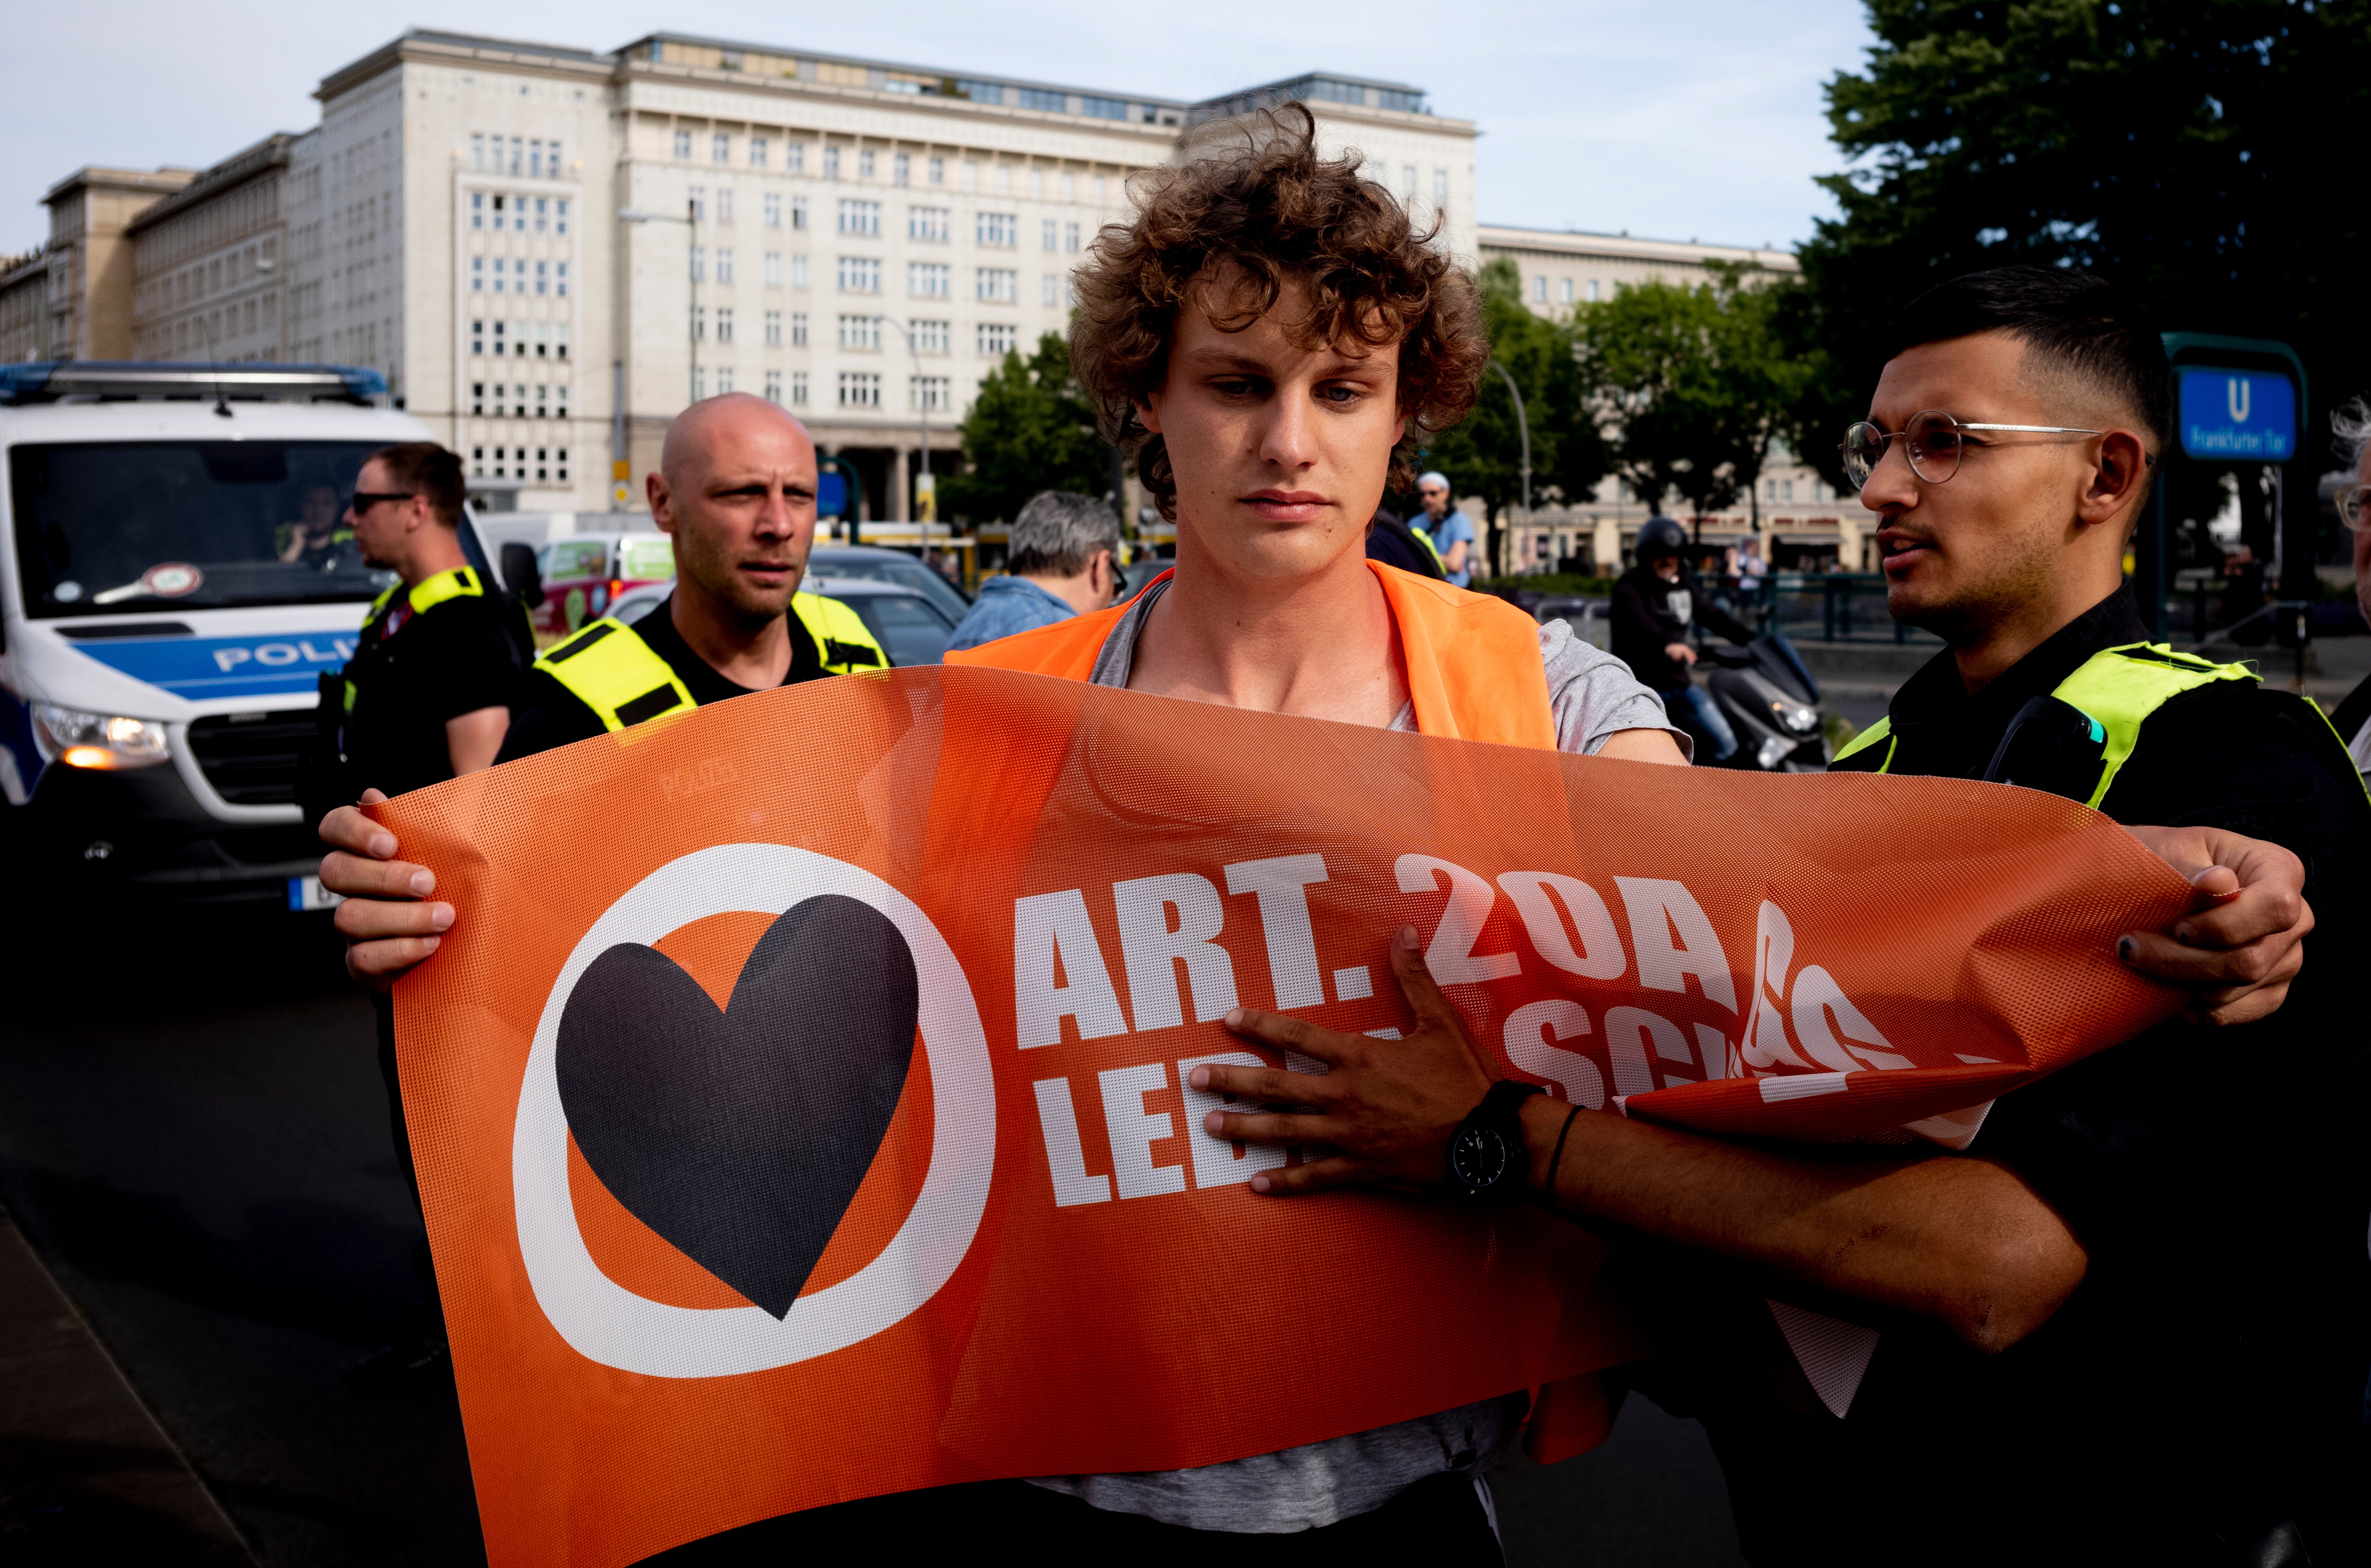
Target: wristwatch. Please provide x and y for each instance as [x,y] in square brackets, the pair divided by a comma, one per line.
[1485,1154]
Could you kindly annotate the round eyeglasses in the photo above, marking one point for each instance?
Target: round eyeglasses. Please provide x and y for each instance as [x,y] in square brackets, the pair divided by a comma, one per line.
[1933,441]
[2350,508]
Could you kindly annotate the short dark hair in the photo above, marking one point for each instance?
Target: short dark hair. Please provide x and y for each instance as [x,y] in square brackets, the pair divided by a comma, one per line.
[423,468]
[2078,321]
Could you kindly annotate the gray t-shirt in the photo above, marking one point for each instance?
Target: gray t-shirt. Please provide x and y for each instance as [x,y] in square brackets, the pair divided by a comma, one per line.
[1592,695]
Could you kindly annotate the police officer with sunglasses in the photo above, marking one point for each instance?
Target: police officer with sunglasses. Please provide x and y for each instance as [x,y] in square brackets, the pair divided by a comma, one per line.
[2352,425]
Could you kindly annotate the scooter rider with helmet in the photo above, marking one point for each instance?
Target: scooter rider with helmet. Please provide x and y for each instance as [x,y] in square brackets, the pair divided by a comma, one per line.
[1655,602]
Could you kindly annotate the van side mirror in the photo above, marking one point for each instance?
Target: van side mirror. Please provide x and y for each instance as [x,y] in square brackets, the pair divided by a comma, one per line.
[519,574]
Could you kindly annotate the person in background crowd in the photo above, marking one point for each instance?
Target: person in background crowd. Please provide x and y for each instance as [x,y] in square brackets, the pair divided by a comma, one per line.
[1393,542]
[1062,560]
[2353,426]
[1655,602]
[1448,530]
[1751,567]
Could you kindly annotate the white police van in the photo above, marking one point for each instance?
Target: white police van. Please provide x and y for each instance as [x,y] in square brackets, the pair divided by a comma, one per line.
[174,578]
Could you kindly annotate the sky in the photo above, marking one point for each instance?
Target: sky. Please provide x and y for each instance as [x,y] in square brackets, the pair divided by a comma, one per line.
[1667,119]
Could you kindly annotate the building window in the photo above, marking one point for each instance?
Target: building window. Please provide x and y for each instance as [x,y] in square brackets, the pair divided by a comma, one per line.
[1069,186]
[1540,289]
[559,340]
[541,280]
[1053,235]
[699,323]
[860,274]
[773,213]
[560,278]
[543,402]
[773,329]
[1070,238]
[798,212]
[927,393]
[724,203]
[773,386]
[1564,291]
[1053,288]
[720,149]
[999,285]
[794,157]
[683,144]
[723,379]
[860,388]
[798,389]
[831,163]
[1592,291]
[929,280]
[859,331]
[938,171]
[1002,230]
[498,340]
[725,323]
[902,169]
[859,217]
[700,203]
[699,263]
[542,212]
[929,337]
[1440,187]
[1407,183]
[478,397]
[477,209]
[477,337]
[865,164]
[997,337]
[926,223]
[757,160]
[477,274]
[1043,101]
[798,272]
[478,152]
[725,263]
[773,269]
[980,92]
[798,328]
[1103,108]
[560,217]
[699,384]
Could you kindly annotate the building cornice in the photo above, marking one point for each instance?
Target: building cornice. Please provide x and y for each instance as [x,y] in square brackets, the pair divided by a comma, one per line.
[92,177]
[250,163]
[650,72]
[527,59]
[1622,246]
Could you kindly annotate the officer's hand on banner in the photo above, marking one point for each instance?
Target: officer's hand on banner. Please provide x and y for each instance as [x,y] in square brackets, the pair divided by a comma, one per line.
[1412,1093]
[2243,941]
[387,929]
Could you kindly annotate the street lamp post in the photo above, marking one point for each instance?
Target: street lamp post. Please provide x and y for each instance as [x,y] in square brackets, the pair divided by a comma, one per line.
[922,414]
[618,462]
[1522,431]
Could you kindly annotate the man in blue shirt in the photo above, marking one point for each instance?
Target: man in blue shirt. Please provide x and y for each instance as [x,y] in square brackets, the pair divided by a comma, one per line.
[1059,564]
[1451,531]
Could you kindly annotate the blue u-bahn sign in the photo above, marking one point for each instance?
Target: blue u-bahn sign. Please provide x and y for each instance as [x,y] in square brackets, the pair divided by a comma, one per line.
[2237,415]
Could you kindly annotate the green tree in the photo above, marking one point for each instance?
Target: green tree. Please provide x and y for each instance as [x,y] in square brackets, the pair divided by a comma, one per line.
[2184,149]
[1029,429]
[1483,456]
[1691,383]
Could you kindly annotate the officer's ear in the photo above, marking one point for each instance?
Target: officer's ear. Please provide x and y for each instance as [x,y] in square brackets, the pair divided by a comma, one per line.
[662,501]
[2117,480]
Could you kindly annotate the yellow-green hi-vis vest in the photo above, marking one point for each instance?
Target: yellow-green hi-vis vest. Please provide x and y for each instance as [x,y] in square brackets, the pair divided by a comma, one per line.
[461,581]
[2117,689]
[612,670]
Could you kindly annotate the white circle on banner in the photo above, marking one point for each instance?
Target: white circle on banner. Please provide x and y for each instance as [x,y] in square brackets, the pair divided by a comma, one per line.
[604,1321]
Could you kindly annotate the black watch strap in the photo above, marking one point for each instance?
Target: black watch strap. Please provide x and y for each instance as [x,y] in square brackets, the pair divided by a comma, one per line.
[1485,1155]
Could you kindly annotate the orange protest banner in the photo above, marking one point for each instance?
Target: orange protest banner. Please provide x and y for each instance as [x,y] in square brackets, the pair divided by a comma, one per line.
[800,1101]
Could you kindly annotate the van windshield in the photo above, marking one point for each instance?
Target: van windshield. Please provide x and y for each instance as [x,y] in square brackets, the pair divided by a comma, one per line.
[194,524]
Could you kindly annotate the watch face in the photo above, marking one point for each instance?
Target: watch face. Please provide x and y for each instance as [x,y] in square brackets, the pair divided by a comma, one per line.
[1478,1157]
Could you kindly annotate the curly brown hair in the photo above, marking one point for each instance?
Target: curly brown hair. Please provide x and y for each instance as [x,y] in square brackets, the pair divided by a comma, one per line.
[1254,200]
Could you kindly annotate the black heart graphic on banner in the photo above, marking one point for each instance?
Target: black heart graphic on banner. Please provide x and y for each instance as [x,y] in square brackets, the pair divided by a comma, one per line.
[741,1136]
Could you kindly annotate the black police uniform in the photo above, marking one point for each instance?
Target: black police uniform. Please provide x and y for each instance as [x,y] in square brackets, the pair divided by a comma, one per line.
[427,654]
[2200,1398]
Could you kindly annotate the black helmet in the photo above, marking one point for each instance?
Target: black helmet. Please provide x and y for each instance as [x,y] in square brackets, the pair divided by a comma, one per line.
[1661,536]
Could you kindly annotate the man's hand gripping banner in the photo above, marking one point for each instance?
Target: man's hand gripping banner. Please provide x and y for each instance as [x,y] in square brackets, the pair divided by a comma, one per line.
[801,1100]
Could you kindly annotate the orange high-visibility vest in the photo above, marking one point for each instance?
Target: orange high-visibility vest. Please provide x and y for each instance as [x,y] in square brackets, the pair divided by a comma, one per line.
[1474,669]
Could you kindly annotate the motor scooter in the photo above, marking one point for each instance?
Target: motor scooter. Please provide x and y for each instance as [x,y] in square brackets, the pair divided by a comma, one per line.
[1772,702]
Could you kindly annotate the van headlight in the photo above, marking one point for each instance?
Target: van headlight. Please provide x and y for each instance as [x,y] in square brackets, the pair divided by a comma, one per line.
[99,740]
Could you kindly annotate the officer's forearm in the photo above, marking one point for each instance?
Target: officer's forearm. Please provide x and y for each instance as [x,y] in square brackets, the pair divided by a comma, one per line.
[1961,1241]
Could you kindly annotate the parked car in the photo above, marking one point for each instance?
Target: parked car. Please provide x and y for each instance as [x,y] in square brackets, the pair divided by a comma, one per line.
[872,563]
[583,573]
[910,625]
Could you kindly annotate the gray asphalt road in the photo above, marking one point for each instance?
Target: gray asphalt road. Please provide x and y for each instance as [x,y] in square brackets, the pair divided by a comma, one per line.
[195,1141]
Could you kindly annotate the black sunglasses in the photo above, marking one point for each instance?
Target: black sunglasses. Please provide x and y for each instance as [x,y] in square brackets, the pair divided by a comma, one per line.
[364,500]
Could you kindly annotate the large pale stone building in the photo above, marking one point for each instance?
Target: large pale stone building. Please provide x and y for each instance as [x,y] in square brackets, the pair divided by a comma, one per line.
[208,274]
[72,299]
